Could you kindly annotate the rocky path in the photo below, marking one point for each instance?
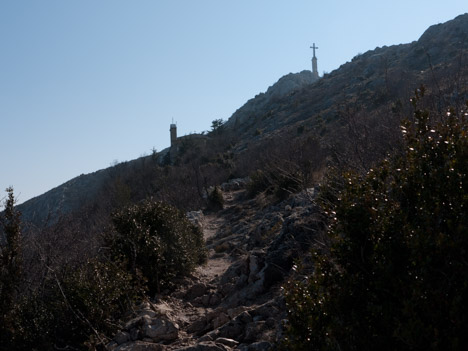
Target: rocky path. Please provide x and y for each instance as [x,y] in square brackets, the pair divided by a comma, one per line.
[217,264]
[233,302]
[212,224]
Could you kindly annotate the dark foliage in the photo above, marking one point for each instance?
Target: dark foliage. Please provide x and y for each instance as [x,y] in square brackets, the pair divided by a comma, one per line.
[394,275]
[217,126]
[258,183]
[77,307]
[215,199]
[10,264]
[65,304]
[158,241]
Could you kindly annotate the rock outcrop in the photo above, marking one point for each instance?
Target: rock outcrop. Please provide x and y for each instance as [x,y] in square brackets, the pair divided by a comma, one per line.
[285,86]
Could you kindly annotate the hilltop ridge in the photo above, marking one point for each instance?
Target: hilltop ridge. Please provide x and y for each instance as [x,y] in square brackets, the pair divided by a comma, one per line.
[371,84]
[284,86]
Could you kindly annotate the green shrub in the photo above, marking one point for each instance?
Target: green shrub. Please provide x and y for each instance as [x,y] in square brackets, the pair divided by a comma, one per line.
[65,307]
[258,183]
[395,275]
[157,240]
[78,307]
[215,199]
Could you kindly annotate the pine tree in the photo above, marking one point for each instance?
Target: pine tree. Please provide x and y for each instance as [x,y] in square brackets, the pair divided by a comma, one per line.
[10,262]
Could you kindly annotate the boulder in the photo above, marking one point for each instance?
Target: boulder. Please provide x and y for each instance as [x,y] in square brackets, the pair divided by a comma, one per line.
[256,263]
[234,312]
[134,323]
[231,330]
[161,329]
[222,319]
[196,217]
[196,290]
[198,327]
[122,337]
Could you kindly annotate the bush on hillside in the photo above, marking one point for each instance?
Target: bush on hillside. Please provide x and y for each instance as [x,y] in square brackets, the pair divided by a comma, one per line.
[157,241]
[78,307]
[216,199]
[258,183]
[275,182]
[56,306]
[394,275]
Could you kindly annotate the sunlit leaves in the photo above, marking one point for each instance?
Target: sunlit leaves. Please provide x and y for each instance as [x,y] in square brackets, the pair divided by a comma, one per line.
[395,274]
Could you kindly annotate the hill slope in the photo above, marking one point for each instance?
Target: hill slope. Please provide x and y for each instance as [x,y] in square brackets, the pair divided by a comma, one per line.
[363,92]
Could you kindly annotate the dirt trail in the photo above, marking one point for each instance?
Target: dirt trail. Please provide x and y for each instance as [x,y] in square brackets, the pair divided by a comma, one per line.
[222,301]
[217,263]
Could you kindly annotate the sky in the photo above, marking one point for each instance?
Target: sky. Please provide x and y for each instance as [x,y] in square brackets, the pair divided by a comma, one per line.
[85,83]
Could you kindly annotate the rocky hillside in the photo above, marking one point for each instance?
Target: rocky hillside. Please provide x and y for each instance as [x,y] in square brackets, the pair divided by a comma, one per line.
[364,94]
[375,79]
[80,191]
[63,199]
[285,86]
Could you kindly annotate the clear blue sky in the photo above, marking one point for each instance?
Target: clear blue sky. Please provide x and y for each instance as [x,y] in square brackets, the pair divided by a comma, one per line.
[86,82]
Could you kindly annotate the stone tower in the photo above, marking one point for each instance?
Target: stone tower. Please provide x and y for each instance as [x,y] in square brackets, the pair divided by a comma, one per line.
[173,131]
[314,63]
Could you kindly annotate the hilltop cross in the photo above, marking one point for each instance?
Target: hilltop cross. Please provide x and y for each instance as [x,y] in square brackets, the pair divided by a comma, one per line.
[314,47]
[314,62]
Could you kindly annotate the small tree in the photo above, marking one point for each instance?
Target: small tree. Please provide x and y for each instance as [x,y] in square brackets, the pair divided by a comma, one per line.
[10,261]
[158,241]
[216,199]
[217,126]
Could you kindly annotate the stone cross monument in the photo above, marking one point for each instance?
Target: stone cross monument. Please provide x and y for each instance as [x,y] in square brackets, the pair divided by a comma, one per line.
[314,63]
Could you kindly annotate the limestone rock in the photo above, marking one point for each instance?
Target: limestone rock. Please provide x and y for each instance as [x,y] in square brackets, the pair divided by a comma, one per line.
[222,319]
[196,217]
[231,330]
[122,337]
[227,342]
[133,323]
[196,290]
[283,87]
[161,329]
